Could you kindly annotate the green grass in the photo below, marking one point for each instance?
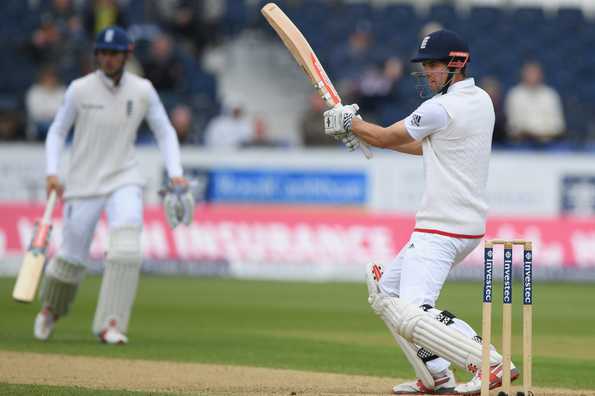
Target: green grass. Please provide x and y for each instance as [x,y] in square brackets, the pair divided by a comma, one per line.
[325,327]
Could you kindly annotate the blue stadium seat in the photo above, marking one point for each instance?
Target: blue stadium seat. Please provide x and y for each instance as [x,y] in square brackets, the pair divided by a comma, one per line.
[444,14]
[235,18]
[482,16]
[135,11]
[569,19]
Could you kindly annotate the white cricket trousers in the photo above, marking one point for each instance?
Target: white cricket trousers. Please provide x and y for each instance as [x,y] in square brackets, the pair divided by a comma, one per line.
[420,269]
[124,207]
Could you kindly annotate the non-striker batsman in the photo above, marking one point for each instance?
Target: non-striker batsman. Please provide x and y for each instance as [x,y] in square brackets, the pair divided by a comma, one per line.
[106,108]
[453,132]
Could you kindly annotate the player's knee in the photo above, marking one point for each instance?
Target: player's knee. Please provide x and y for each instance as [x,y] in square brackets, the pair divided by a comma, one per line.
[124,245]
[65,270]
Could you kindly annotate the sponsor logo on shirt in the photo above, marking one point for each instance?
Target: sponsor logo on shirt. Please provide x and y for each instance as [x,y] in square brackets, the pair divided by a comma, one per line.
[92,106]
[128,107]
[416,120]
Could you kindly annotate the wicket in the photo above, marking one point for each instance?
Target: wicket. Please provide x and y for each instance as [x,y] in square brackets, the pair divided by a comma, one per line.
[507,314]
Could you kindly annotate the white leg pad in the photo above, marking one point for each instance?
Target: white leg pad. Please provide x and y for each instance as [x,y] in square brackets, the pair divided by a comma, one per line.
[60,284]
[120,279]
[421,328]
[421,370]
[373,275]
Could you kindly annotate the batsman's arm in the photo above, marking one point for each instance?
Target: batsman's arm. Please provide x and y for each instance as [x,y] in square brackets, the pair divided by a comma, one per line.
[165,134]
[58,131]
[394,137]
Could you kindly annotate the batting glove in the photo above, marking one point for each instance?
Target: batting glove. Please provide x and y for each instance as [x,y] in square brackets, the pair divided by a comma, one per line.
[178,202]
[350,141]
[338,120]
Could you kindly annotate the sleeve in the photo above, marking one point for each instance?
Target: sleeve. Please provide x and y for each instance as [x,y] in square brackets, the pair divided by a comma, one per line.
[165,134]
[58,131]
[429,118]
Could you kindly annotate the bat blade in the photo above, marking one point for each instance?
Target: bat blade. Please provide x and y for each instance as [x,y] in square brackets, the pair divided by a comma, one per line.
[31,270]
[304,55]
[29,276]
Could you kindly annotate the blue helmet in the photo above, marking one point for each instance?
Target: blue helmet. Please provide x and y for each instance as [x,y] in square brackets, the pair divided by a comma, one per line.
[113,38]
[444,45]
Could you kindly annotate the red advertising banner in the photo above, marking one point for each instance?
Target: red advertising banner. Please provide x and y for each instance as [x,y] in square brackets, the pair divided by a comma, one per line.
[298,236]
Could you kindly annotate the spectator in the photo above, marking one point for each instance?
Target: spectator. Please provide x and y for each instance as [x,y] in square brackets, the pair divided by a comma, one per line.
[102,14]
[10,123]
[492,86]
[229,130]
[378,85]
[67,20]
[261,136]
[164,68]
[59,38]
[348,61]
[311,124]
[534,110]
[197,23]
[183,122]
[42,101]
[46,42]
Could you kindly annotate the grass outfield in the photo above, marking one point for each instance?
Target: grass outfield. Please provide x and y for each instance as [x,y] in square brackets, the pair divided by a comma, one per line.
[304,326]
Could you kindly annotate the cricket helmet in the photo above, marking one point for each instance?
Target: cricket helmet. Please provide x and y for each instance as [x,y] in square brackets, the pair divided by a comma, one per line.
[444,45]
[113,38]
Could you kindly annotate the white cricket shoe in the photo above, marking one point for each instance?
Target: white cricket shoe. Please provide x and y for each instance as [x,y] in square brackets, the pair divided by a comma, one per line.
[473,387]
[44,324]
[444,385]
[111,335]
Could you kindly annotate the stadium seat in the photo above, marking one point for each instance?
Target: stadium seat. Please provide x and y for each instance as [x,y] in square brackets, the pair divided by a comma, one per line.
[569,19]
[444,14]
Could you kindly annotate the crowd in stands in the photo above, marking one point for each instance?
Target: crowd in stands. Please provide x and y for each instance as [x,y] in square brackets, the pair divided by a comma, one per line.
[540,97]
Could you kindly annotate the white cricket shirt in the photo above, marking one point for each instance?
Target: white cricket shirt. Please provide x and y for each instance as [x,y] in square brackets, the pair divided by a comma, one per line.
[106,120]
[456,134]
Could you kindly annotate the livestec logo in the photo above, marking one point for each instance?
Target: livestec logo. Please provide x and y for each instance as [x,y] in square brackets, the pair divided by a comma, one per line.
[488,275]
[528,278]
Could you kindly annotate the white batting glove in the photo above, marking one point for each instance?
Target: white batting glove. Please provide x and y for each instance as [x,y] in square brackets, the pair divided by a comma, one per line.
[178,203]
[350,141]
[337,121]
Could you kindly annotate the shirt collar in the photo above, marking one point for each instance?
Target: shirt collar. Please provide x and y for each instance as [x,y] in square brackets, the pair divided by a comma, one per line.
[108,82]
[459,85]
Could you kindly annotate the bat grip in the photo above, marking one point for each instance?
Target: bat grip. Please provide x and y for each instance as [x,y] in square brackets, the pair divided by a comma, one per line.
[42,236]
[365,149]
[49,208]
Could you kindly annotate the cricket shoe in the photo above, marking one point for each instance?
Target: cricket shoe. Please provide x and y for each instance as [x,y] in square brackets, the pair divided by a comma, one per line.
[443,385]
[473,387]
[111,334]
[44,324]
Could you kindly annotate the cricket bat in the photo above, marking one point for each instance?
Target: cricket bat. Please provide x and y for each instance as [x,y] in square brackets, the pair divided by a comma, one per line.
[297,44]
[29,276]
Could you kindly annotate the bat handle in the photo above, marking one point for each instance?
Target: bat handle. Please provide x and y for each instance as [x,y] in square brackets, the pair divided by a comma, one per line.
[49,208]
[365,149]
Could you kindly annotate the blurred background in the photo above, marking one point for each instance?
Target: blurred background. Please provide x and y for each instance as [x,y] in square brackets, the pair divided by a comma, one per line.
[277,198]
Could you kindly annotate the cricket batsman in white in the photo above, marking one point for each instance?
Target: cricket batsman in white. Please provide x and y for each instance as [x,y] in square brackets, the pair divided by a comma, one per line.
[453,132]
[106,108]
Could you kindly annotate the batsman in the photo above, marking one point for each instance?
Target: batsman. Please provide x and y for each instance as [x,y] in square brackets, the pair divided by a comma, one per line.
[452,130]
[106,108]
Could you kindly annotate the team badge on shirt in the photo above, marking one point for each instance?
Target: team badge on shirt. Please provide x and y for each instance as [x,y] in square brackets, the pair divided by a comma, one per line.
[129,108]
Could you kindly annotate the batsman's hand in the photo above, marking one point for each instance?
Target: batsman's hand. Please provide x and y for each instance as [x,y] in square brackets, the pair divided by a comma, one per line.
[350,141]
[52,182]
[178,202]
[337,121]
